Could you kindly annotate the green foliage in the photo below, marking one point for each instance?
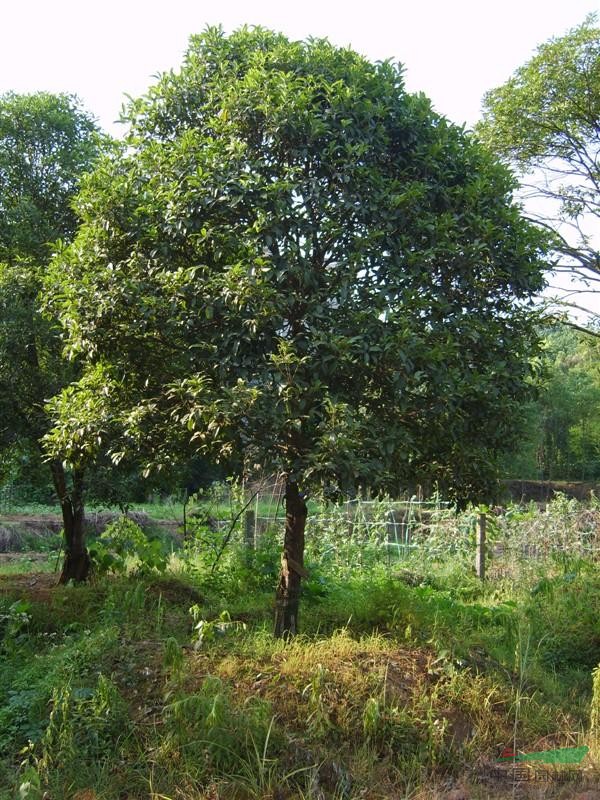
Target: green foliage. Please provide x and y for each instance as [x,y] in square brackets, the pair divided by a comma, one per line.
[47,141]
[173,660]
[83,729]
[392,730]
[562,440]
[550,105]
[544,120]
[123,546]
[570,401]
[206,631]
[317,721]
[24,477]
[205,541]
[219,731]
[262,563]
[83,724]
[563,609]
[294,263]
[46,660]
[14,621]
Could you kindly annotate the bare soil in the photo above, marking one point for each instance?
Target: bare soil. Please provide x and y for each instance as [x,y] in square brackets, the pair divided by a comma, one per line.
[36,586]
[542,491]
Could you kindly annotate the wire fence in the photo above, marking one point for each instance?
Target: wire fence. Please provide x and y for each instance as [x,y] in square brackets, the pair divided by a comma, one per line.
[364,531]
[496,542]
[16,496]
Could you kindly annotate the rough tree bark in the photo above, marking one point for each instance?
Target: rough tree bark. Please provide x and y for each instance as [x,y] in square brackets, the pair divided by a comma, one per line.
[287,598]
[76,565]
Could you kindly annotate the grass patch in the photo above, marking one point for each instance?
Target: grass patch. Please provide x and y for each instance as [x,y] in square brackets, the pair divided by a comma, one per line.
[23,563]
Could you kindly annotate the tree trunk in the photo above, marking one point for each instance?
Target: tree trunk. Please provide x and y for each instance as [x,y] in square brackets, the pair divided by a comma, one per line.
[287,599]
[76,565]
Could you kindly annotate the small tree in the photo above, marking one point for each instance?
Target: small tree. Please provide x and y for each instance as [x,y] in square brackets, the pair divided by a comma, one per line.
[46,143]
[293,262]
[545,121]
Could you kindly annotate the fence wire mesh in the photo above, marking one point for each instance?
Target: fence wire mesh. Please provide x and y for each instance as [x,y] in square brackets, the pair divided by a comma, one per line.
[361,532]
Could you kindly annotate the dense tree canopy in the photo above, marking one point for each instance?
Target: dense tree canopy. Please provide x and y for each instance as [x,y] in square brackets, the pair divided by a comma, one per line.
[292,263]
[545,120]
[46,142]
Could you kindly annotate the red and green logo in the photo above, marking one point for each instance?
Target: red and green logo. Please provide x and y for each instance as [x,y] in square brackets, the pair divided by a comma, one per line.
[565,755]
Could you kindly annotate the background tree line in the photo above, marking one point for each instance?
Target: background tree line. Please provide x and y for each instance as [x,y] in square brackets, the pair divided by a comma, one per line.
[561,440]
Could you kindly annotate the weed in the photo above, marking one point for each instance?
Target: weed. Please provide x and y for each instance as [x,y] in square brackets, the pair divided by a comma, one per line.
[173,661]
[595,713]
[123,545]
[14,621]
[206,631]
[318,719]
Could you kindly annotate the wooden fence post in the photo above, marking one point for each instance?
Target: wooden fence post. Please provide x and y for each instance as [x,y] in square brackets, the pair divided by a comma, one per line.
[390,524]
[185,503]
[406,529]
[249,528]
[480,554]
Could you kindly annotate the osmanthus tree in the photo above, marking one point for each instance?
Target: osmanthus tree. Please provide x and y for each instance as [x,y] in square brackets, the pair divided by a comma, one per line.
[292,262]
[46,142]
[545,122]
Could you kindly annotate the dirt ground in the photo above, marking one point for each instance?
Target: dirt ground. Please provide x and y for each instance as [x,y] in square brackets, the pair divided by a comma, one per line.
[36,586]
[30,556]
[96,521]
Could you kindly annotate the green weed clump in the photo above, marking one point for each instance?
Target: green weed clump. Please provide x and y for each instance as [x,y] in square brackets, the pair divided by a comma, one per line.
[209,729]
[563,612]
[595,714]
[123,546]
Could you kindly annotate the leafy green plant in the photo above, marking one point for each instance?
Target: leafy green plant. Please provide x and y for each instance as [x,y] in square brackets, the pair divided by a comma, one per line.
[173,661]
[124,546]
[207,723]
[258,774]
[84,725]
[544,121]
[207,631]
[34,365]
[562,612]
[344,384]
[14,620]
[371,717]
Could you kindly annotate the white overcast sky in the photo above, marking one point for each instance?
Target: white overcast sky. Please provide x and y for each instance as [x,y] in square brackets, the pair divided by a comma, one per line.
[453,50]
